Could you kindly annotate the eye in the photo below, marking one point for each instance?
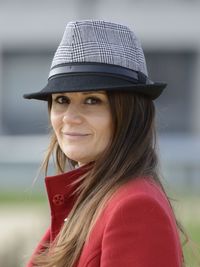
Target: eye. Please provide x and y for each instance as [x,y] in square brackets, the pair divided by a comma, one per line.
[92,100]
[62,99]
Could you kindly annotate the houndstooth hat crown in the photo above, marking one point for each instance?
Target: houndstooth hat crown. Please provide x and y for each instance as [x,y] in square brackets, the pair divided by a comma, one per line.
[99,55]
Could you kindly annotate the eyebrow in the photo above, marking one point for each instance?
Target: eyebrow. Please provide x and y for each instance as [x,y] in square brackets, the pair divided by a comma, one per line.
[94,92]
[84,93]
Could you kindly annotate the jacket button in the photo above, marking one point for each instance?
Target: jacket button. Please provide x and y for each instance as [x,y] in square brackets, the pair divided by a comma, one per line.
[58,199]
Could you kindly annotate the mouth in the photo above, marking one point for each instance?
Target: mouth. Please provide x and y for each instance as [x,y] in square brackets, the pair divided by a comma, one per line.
[74,134]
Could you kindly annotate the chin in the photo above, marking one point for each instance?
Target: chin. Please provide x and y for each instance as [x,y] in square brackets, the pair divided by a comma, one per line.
[83,159]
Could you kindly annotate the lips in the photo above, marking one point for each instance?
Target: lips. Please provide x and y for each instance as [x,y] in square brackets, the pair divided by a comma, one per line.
[74,134]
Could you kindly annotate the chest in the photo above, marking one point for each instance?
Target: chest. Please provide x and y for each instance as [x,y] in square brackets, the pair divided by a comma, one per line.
[91,253]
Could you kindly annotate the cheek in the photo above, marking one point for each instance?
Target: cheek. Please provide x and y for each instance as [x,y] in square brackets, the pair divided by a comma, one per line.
[55,122]
[104,128]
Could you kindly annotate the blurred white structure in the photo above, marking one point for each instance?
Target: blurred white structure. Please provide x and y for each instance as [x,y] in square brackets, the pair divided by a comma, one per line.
[29,34]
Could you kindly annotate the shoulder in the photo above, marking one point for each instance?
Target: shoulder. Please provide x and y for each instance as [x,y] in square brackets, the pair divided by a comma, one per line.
[141,197]
[139,188]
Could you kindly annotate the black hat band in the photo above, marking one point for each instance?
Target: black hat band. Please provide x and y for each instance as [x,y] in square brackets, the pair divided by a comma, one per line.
[106,69]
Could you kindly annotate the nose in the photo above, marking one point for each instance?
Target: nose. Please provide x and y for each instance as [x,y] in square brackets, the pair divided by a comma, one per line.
[72,114]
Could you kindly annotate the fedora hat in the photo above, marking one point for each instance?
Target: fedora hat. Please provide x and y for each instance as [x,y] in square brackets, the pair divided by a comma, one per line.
[98,55]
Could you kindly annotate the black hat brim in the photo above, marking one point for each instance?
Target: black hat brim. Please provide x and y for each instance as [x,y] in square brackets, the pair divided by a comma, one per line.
[94,82]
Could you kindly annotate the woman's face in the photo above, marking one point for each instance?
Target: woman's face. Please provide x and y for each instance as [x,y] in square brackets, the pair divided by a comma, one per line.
[82,123]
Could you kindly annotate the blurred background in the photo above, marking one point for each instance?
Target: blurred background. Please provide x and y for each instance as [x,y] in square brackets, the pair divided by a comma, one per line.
[30,32]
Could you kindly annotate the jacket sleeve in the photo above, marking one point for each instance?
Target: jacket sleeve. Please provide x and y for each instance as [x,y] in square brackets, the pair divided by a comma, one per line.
[140,233]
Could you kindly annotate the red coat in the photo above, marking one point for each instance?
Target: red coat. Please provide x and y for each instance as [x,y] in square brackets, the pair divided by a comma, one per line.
[137,227]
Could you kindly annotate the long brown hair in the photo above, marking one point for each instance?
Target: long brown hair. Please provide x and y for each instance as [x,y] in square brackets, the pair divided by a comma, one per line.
[132,153]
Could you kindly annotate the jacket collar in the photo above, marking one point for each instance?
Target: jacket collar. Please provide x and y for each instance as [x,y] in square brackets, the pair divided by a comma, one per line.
[60,190]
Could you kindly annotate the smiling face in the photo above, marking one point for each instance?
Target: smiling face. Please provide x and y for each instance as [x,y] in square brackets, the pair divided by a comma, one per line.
[82,123]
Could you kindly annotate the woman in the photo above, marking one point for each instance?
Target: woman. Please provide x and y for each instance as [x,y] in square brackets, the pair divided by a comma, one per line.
[111,208]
